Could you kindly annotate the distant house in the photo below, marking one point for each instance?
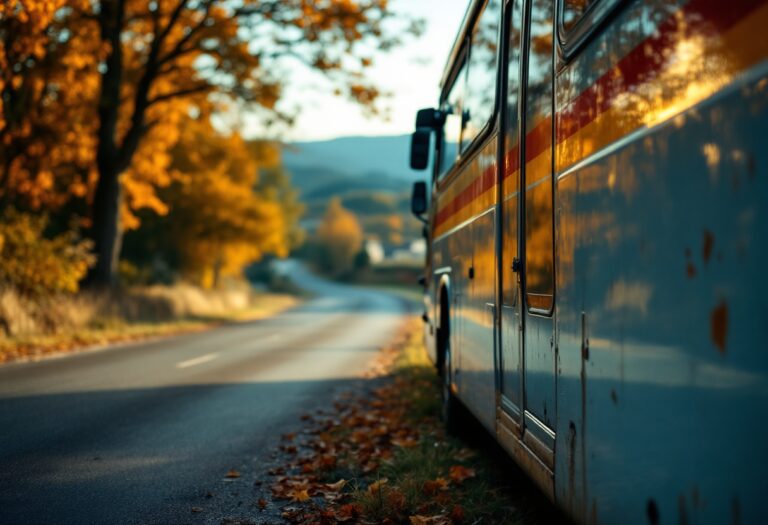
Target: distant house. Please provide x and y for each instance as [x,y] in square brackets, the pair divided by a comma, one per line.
[375,250]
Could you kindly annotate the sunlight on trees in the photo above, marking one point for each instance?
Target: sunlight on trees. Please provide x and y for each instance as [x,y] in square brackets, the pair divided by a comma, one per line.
[95,96]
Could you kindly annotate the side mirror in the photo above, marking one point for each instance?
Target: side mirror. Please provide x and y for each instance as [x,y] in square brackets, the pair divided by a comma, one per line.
[419,200]
[430,118]
[420,148]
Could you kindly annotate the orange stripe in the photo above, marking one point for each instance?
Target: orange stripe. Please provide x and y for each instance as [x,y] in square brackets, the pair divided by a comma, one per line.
[588,122]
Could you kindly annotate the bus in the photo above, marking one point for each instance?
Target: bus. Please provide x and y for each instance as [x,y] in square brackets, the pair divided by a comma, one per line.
[597,227]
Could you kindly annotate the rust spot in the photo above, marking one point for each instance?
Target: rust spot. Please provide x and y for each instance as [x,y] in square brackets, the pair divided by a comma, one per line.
[718,323]
[690,271]
[652,510]
[614,396]
[709,242]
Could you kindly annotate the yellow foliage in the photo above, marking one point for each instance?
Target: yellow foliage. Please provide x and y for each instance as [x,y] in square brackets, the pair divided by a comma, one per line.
[37,266]
[219,223]
[339,238]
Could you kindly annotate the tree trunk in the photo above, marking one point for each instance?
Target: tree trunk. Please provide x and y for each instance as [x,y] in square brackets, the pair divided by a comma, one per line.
[105,227]
[106,231]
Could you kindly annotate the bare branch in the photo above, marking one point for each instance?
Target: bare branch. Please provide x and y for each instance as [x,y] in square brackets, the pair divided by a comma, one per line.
[180,93]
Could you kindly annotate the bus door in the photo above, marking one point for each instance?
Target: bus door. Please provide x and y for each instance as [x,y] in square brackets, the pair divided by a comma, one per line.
[527,355]
[538,227]
[510,358]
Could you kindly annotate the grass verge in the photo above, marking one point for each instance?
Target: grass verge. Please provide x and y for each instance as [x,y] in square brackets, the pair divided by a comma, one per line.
[73,323]
[382,456]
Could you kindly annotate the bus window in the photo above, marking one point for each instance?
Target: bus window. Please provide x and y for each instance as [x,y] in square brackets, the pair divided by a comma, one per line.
[481,80]
[452,127]
[539,228]
[573,10]
[511,175]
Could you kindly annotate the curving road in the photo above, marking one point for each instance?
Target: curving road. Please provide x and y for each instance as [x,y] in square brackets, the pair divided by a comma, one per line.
[134,434]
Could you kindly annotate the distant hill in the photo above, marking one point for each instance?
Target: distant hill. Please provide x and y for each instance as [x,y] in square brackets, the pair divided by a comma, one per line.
[369,174]
[354,156]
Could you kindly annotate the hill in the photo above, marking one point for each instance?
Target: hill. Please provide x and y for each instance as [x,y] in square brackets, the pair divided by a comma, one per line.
[354,156]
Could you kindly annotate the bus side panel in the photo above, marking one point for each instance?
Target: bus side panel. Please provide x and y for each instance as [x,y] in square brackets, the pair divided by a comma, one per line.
[466,234]
[662,239]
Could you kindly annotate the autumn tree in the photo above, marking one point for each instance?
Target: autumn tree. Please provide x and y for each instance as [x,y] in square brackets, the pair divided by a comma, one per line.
[167,52]
[222,215]
[48,85]
[338,239]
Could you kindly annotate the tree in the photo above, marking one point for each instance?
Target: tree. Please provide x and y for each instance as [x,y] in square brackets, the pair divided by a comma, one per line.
[338,239]
[93,92]
[222,214]
[47,131]
[164,52]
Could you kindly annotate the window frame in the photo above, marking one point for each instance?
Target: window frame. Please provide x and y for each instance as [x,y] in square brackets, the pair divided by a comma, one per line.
[595,17]
[463,58]
[482,134]
[455,76]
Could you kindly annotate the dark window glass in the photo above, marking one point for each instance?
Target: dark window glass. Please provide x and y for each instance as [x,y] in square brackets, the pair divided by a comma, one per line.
[511,175]
[539,231]
[452,127]
[481,80]
[573,10]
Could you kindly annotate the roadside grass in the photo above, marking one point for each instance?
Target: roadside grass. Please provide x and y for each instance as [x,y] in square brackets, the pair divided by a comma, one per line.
[383,457]
[34,329]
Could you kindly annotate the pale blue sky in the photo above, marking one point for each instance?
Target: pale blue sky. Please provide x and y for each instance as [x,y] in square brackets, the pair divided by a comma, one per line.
[411,73]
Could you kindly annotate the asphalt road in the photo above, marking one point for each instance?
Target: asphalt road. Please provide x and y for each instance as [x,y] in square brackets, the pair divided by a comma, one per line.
[135,434]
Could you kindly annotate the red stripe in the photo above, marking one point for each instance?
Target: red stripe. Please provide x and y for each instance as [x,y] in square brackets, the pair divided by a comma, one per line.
[644,63]
[641,65]
[477,187]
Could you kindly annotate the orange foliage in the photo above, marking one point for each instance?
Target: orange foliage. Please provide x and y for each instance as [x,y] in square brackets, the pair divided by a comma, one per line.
[100,91]
[219,223]
[339,238]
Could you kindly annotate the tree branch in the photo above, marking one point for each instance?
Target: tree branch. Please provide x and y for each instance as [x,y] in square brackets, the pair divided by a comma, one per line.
[180,93]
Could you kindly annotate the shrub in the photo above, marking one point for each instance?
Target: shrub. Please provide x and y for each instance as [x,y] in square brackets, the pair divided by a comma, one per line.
[36,266]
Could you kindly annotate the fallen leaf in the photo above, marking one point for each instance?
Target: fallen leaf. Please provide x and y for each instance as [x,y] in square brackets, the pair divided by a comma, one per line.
[262,503]
[374,487]
[335,487]
[459,473]
[300,496]
[457,514]
[396,500]
[433,486]
[348,512]
[232,474]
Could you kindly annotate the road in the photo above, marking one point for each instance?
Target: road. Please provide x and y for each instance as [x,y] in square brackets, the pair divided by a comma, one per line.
[135,434]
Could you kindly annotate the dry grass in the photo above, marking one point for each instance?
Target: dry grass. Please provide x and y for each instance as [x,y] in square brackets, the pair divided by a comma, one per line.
[33,328]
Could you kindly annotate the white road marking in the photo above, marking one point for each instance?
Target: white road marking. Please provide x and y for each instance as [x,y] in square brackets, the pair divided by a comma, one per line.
[197,361]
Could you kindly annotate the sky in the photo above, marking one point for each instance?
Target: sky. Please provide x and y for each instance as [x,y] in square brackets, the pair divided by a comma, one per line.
[410,72]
